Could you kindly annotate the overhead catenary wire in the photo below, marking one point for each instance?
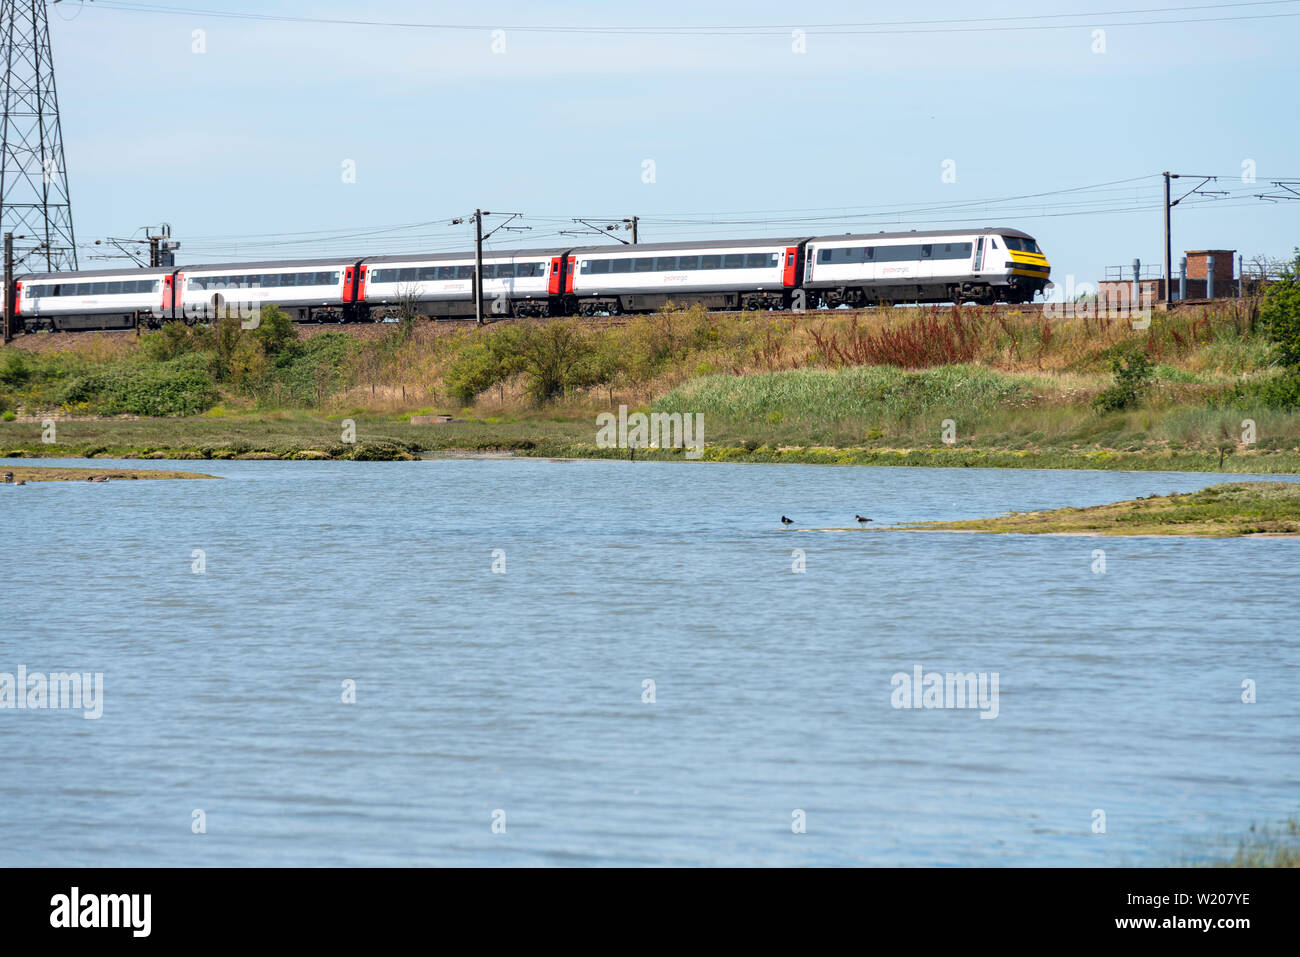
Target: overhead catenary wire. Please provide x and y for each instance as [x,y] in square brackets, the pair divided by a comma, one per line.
[1036,21]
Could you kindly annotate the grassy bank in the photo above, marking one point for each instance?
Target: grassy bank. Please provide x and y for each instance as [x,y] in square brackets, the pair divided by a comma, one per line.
[45,473]
[1219,511]
[1268,846]
[1203,388]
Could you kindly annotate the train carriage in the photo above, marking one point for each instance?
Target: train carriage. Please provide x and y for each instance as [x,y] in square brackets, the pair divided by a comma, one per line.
[516,282]
[727,274]
[95,299]
[309,290]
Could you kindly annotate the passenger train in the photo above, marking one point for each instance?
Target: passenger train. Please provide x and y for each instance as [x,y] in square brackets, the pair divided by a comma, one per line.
[968,265]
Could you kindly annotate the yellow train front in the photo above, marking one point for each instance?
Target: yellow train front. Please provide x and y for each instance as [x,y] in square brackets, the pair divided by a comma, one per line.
[1024,267]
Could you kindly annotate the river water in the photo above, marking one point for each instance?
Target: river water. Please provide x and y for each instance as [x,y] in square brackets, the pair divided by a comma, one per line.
[505,716]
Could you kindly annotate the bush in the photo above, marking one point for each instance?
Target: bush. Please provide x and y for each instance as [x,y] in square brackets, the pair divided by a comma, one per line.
[1132,378]
[174,339]
[177,387]
[1280,315]
[275,331]
[477,369]
[1277,392]
[15,370]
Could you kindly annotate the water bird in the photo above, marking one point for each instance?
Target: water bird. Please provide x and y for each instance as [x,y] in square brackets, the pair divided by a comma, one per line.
[9,477]
[786,521]
[21,482]
[861,520]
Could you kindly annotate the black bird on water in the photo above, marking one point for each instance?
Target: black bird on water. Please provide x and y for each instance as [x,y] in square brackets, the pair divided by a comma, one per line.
[786,521]
[861,520]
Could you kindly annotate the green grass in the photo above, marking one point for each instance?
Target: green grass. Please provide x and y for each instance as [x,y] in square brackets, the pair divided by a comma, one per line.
[770,387]
[1220,511]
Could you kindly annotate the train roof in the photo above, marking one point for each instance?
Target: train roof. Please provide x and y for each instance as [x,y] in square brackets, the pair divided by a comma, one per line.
[924,233]
[274,263]
[694,244]
[463,253]
[138,272]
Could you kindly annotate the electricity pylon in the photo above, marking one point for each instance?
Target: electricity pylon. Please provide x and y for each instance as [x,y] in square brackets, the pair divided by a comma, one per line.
[34,201]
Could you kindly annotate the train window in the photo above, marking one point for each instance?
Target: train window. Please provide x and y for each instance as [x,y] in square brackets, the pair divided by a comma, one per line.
[665,263]
[710,262]
[464,272]
[993,241]
[927,251]
[489,272]
[620,265]
[758,260]
[823,257]
[599,267]
[688,262]
[953,251]
[96,288]
[733,261]
[644,264]
[506,271]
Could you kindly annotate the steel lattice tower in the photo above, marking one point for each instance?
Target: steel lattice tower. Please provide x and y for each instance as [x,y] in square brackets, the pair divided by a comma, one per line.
[34,198]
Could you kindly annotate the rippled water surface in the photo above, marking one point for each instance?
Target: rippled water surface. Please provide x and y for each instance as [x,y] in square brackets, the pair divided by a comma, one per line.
[522,692]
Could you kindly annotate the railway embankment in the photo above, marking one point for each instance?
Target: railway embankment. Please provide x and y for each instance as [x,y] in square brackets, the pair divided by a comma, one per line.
[1204,388]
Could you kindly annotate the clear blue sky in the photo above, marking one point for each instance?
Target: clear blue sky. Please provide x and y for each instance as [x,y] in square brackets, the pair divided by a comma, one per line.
[241,148]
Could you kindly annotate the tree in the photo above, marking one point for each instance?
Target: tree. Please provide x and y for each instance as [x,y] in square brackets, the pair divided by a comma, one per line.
[475,370]
[1280,314]
[275,330]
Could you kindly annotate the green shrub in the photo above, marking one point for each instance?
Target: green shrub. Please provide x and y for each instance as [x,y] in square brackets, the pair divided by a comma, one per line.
[15,369]
[1276,392]
[477,369]
[1280,315]
[172,340]
[275,331]
[1132,378]
[179,386]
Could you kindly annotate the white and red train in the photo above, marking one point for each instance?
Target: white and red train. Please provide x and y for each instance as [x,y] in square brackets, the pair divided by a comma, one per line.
[977,265]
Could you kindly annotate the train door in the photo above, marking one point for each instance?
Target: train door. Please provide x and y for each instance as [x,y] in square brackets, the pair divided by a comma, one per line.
[553,282]
[790,275]
[353,292]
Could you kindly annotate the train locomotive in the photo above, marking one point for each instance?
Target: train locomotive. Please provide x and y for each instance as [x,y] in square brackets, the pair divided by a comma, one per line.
[985,265]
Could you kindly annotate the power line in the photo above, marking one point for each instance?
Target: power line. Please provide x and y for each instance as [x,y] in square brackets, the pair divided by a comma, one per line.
[952,25]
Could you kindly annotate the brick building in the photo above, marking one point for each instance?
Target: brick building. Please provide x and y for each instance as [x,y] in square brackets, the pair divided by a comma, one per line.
[1118,286]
